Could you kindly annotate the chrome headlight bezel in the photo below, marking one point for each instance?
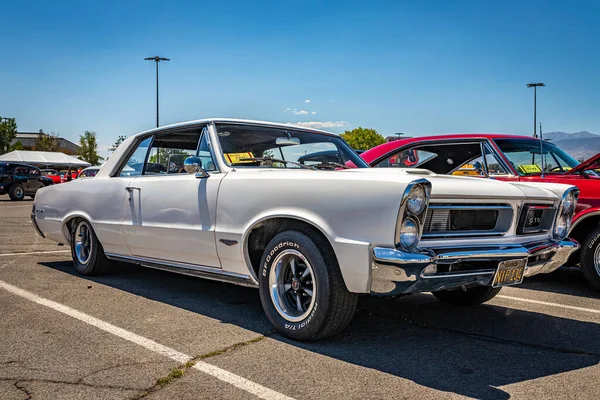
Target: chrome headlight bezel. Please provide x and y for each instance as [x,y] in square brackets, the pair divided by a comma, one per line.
[416,200]
[417,189]
[564,216]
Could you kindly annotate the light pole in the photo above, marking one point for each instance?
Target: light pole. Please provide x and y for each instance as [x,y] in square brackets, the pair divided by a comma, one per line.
[156,59]
[535,86]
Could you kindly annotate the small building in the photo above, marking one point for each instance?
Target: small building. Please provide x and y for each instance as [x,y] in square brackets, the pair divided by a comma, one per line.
[28,139]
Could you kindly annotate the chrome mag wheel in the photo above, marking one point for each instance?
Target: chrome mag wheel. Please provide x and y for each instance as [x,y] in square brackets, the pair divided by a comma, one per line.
[292,285]
[83,242]
[19,192]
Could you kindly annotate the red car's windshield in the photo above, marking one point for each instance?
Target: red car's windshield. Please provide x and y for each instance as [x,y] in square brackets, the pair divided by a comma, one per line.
[524,156]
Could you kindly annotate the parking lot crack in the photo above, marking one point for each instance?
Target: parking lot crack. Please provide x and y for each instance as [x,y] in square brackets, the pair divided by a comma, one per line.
[24,390]
[97,386]
[179,371]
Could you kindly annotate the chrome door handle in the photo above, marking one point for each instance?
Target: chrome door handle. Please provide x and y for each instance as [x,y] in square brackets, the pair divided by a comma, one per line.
[131,188]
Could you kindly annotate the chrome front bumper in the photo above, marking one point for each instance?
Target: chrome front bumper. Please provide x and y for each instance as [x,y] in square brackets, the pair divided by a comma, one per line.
[396,272]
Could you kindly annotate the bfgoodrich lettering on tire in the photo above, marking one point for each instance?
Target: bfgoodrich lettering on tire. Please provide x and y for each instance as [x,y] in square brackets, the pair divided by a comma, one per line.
[590,258]
[301,287]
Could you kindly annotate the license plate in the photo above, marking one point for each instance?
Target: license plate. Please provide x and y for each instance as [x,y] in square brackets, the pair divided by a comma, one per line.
[510,272]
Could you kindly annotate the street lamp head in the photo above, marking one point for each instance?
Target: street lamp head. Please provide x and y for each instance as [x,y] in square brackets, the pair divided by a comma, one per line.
[157,59]
[535,84]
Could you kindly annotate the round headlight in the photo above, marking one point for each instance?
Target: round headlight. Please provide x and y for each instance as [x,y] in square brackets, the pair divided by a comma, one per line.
[409,234]
[561,229]
[416,199]
[569,204]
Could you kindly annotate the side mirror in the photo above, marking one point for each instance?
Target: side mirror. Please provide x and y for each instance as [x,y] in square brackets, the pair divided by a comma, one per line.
[193,165]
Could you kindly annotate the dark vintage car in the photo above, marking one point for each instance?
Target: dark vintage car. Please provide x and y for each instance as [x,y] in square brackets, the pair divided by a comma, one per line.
[20,180]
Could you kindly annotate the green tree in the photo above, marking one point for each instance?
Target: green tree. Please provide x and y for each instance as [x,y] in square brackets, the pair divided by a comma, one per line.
[17,146]
[362,138]
[162,156]
[8,131]
[46,142]
[119,140]
[89,148]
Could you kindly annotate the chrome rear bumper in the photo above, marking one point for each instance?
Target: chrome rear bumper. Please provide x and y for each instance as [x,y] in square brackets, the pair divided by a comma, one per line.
[397,272]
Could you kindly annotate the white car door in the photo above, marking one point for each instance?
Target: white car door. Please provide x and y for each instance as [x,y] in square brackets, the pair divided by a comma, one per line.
[172,217]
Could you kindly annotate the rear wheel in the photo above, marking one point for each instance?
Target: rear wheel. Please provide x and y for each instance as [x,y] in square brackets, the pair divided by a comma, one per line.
[590,258]
[301,288]
[86,250]
[16,192]
[467,297]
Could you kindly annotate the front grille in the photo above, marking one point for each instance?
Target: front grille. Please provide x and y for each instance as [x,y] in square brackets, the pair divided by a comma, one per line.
[448,220]
[536,218]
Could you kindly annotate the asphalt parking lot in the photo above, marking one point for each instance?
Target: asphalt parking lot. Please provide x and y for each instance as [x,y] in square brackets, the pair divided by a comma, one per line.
[137,332]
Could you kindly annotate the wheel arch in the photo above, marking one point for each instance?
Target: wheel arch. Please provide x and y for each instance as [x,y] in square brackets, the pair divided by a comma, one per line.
[67,223]
[583,225]
[260,233]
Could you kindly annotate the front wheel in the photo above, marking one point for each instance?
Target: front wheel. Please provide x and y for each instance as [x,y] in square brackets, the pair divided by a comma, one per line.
[467,297]
[16,192]
[301,288]
[590,258]
[86,250]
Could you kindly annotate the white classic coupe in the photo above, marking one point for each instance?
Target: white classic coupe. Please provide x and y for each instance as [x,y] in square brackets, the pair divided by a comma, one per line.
[299,215]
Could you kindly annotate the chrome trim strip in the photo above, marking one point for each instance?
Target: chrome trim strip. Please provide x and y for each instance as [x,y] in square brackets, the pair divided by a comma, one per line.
[444,234]
[470,207]
[187,269]
[476,272]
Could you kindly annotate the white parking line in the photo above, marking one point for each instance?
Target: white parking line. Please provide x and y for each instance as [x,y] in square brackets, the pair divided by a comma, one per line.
[221,374]
[34,252]
[545,303]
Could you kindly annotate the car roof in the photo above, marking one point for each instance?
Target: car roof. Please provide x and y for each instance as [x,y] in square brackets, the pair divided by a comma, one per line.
[17,164]
[378,151]
[235,121]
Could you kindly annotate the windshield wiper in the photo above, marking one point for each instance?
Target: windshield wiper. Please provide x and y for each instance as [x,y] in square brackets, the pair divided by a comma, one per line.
[333,164]
[277,160]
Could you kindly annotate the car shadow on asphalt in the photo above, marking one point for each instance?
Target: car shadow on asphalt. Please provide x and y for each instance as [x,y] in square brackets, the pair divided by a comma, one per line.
[468,351]
[566,280]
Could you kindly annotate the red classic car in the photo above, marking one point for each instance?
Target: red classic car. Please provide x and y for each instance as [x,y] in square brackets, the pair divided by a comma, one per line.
[52,174]
[510,158]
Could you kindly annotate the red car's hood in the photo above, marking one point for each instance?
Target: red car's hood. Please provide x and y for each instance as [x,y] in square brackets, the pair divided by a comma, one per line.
[592,162]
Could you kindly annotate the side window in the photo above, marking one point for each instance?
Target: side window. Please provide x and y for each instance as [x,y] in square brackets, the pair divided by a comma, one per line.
[169,151]
[410,158]
[480,167]
[20,171]
[135,163]
[35,172]
[208,164]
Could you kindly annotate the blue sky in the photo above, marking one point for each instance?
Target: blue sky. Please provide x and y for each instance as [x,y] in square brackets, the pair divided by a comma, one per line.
[420,67]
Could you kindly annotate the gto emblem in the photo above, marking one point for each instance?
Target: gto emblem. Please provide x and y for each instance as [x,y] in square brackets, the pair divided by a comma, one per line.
[534,221]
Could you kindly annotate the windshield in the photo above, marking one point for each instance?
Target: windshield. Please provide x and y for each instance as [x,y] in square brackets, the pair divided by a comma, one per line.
[248,146]
[524,156]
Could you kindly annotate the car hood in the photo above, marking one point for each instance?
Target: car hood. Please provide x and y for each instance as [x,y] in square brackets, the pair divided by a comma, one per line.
[453,187]
[592,162]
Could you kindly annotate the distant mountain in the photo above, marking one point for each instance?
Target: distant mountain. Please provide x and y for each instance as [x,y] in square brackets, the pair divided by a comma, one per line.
[581,145]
